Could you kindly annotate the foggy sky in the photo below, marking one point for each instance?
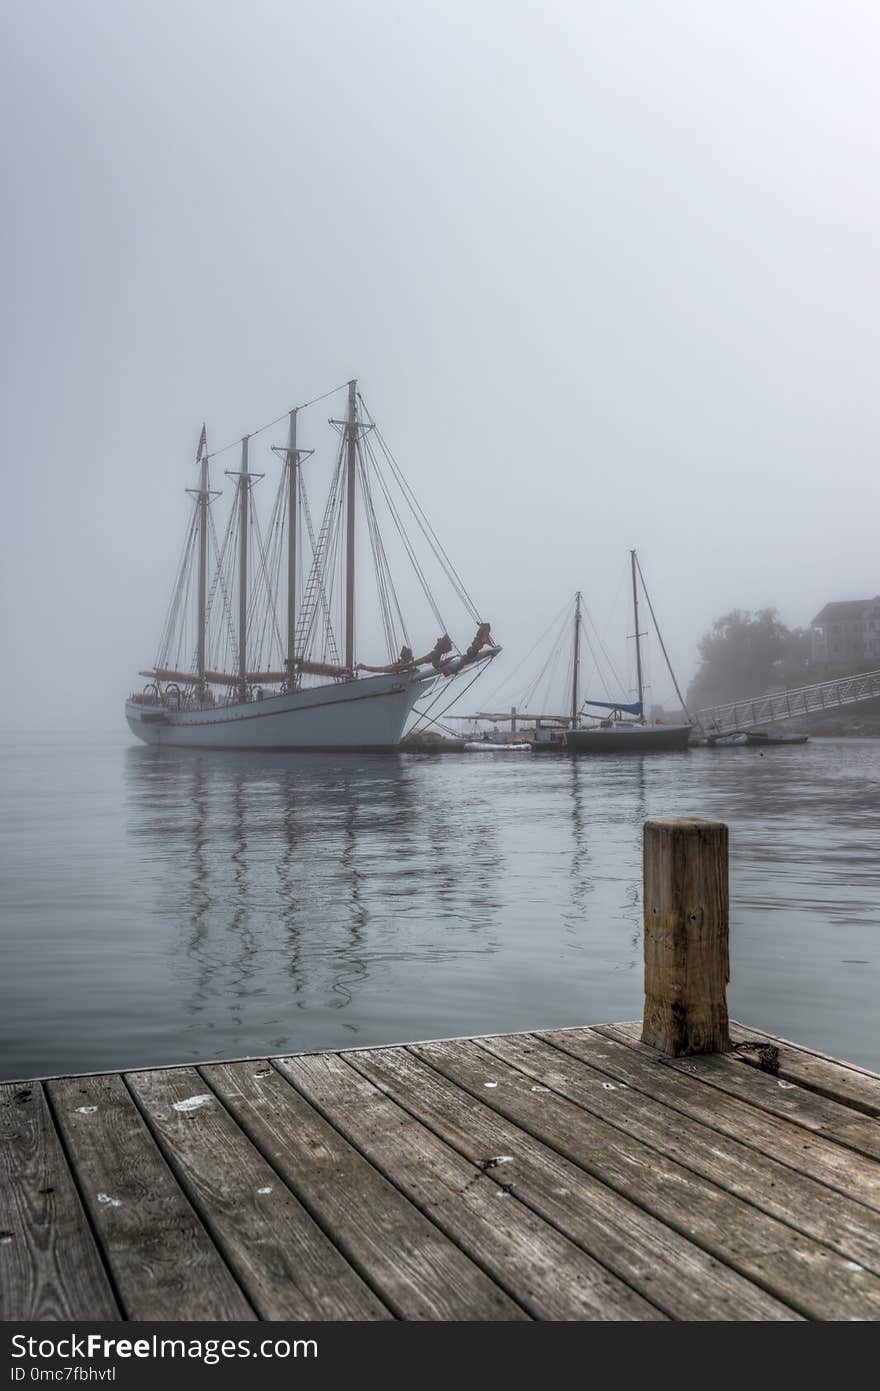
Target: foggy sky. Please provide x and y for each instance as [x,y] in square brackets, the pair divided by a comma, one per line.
[607,274]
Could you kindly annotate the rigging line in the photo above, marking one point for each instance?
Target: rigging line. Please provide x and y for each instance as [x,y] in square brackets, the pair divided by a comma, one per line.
[182,634]
[334,574]
[552,624]
[598,670]
[602,637]
[423,713]
[622,685]
[279,544]
[408,546]
[379,573]
[390,577]
[559,627]
[315,586]
[427,528]
[660,640]
[283,416]
[303,626]
[183,565]
[429,534]
[419,513]
[549,673]
[269,608]
[219,582]
[587,673]
[381,578]
[271,613]
[331,561]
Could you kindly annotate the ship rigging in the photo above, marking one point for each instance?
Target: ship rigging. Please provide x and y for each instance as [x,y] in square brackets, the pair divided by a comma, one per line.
[260,643]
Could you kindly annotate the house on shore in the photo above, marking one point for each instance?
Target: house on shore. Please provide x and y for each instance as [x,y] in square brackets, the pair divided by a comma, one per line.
[847,633]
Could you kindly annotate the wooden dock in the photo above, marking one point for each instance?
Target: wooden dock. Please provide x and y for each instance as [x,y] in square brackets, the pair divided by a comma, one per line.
[567,1174]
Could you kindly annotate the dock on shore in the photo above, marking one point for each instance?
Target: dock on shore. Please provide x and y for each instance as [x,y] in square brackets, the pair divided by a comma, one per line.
[711,1171]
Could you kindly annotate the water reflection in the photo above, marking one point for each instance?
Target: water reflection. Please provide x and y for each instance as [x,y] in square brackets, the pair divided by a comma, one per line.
[576,774]
[298,878]
[171,905]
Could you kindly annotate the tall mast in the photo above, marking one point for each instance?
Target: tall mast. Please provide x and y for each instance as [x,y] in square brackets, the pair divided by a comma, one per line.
[351,480]
[243,487]
[632,556]
[292,501]
[576,664]
[202,619]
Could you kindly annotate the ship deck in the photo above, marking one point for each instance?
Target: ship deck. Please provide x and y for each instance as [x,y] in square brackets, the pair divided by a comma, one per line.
[570,1174]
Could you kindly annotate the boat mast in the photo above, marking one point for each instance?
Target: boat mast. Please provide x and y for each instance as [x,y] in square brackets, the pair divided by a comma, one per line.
[202,618]
[351,480]
[292,501]
[663,645]
[576,665]
[632,556]
[243,489]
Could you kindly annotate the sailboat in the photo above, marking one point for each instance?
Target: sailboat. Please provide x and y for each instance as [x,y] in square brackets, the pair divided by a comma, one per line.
[615,733]
[230,694]
[623,730]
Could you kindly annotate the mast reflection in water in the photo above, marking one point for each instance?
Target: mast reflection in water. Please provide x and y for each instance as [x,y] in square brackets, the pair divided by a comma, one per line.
[299,884]
[165,906]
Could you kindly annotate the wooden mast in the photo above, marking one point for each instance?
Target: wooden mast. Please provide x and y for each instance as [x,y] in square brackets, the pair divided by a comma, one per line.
[632,556]
[351,481]
[243,487]
[202,618]
[576,665]
[292,502]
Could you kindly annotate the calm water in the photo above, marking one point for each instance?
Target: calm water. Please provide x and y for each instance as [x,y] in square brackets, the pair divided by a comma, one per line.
[158,907]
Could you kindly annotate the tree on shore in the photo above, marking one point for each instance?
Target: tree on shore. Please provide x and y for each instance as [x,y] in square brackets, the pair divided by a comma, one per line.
[748,654]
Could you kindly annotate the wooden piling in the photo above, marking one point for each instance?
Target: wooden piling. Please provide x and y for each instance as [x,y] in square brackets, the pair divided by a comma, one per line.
[686,916]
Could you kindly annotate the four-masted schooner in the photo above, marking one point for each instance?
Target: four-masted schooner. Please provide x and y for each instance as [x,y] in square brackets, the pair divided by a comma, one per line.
[315,697]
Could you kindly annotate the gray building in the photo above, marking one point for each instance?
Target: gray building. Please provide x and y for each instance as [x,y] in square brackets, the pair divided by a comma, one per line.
[847,633]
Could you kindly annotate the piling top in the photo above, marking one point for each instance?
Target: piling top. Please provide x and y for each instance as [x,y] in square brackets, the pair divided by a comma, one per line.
[686,936]
[682,822]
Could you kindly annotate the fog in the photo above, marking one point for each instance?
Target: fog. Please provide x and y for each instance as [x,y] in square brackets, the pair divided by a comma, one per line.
[607,274]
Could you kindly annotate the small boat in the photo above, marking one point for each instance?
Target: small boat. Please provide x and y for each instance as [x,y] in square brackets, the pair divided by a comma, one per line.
[756,737]
[752,739]
[572,730]
[627,736]
[614,733]
[483,746]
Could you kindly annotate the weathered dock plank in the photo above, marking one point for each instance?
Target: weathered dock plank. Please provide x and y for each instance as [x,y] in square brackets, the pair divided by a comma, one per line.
[164,1263]
[580,1120]
[281,1258]
[679,1277]
[834,1120]
[49,1264]
[419,1272]
[681,1085]
[839,1081]
[550,1276]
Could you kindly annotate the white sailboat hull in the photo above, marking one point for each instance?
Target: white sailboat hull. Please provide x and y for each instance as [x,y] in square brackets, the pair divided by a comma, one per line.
[370,714]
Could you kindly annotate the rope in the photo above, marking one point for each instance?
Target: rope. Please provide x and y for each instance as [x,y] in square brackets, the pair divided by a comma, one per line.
[662,643]
[481,665]
[268,426]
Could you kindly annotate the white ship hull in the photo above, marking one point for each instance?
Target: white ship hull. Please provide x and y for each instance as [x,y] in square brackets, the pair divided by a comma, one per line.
[370,713]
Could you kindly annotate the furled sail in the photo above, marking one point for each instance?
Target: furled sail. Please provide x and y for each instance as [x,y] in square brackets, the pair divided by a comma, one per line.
[634,709]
